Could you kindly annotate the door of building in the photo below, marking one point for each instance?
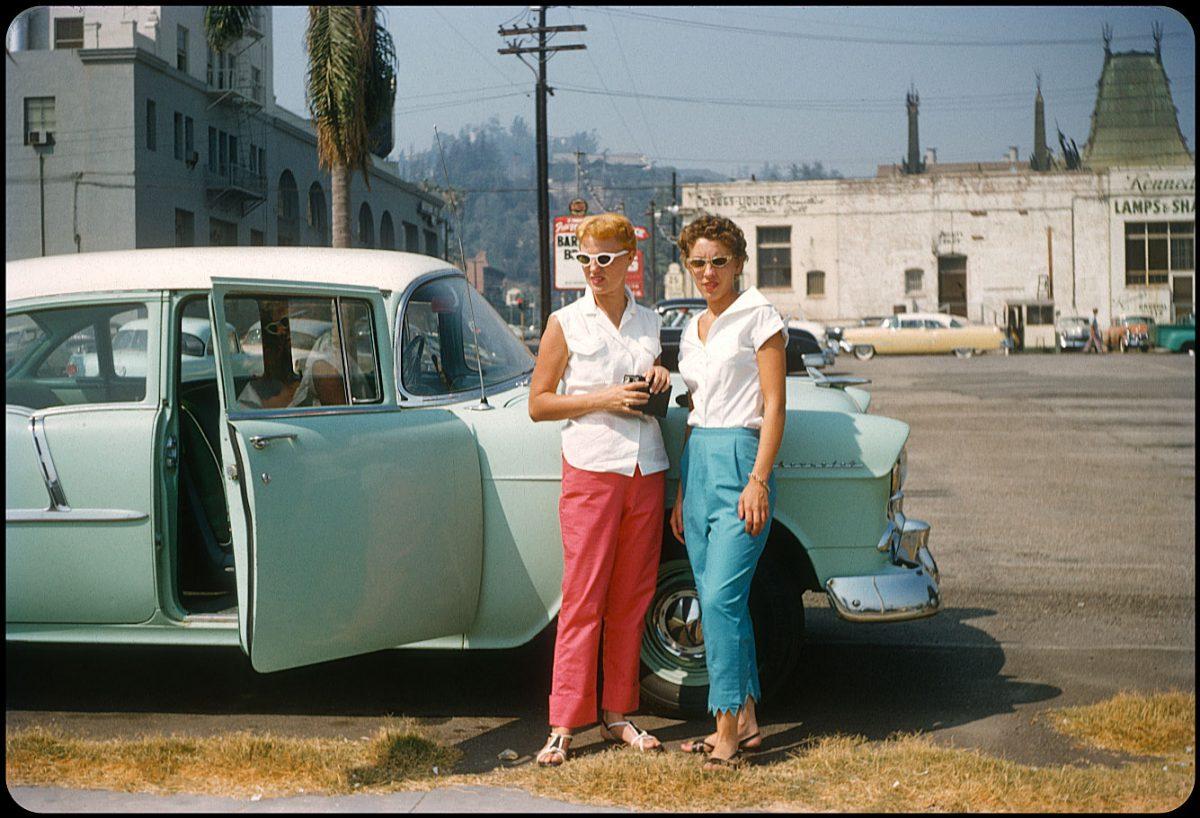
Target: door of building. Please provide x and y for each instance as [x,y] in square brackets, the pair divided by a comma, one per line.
[1181,297]
[952,284]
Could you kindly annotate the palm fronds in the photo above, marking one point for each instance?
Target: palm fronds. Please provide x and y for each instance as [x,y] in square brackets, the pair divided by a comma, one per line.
[224,25]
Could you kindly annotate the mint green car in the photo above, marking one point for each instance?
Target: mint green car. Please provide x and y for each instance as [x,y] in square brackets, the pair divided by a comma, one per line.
[1177,337]
[378,485]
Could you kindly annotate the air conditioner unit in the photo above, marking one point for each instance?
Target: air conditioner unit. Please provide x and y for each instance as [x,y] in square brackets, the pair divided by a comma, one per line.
[41,137]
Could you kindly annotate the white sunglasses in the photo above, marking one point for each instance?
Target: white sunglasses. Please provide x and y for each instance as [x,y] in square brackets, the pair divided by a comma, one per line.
[601,259]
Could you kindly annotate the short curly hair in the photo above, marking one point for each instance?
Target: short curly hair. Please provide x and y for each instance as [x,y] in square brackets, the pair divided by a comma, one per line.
[714,228]
[608,226]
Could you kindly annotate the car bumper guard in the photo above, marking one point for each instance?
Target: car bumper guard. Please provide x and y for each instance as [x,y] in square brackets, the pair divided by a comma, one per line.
[908,593]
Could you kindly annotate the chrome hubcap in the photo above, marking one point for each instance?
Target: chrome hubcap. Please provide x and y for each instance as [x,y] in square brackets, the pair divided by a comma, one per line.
[677,624]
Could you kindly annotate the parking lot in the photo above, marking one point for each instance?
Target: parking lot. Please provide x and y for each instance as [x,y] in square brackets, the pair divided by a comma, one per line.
[1060,490]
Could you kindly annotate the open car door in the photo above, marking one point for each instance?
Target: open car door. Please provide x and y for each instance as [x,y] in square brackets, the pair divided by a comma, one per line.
[357,525]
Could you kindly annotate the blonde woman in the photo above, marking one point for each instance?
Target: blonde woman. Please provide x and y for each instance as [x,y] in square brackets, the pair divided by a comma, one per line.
[611,506]
[733,358]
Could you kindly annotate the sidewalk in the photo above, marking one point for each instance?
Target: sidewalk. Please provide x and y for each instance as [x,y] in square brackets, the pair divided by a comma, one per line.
[447,799]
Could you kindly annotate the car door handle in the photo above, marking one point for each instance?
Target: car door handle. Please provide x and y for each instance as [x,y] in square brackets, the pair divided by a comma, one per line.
[261,441]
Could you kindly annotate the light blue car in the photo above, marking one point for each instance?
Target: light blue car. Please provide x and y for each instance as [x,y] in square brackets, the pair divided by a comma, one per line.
[381,486]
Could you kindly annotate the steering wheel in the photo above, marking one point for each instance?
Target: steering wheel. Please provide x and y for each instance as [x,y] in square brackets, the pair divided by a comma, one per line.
[410,358]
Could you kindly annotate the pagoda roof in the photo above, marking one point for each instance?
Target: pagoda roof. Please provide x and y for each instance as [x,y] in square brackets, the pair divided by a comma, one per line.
[1135,121]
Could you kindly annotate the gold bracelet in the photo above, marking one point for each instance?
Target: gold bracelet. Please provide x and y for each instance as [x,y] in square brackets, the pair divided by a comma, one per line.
[762,482]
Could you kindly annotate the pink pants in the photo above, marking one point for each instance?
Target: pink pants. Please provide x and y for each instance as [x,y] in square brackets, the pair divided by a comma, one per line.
[612,535]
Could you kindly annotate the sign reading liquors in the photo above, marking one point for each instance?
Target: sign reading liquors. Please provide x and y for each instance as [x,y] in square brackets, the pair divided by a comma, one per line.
[755,204]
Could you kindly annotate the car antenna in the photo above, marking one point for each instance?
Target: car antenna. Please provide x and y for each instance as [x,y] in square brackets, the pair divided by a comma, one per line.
[483,404]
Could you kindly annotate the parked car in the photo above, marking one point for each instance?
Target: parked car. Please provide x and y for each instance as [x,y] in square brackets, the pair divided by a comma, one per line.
[676,312]
[395,513]
[1071,332]
[1130,332]
[1178,337]
[129,350]
[922,333]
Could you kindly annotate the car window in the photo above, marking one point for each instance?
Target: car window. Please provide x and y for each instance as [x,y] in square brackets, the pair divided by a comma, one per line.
[77,355]
[954,322]
[296,353]
[446,324]
[933,323]
[911,323]
[890,323]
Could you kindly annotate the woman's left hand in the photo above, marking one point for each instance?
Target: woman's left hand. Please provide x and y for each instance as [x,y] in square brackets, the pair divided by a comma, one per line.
[659,378]
[754,507]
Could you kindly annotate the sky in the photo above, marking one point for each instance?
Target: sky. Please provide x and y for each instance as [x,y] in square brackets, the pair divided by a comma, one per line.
[723,87]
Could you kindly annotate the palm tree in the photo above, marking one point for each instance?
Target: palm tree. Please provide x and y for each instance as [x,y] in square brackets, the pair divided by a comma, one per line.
[351,86]
[223,25]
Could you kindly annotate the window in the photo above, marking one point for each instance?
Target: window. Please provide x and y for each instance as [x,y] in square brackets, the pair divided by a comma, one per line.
[431,243]
[233,153]
[89,354]
[185,228]
[387,232]
[366,227]
[178,119]
[68,32]
[256,238]
[411,242]
[305,351]
[815,282]
[151,125]
[775,257]
[189,138]
[39,116]
[212,149]
[912,279]
[223,151]
[1039,314]
[253,158]
[262,162]
[255,82]
[1154,250]
[221,233]
[181,48]
[208,68]
[317,213]
[437,348]
[912,323]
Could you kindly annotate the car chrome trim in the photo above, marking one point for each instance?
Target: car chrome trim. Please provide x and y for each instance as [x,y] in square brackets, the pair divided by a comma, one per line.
[15,409]
[912,594]
[302,412]
[73,515]
[262,441]
[58,498]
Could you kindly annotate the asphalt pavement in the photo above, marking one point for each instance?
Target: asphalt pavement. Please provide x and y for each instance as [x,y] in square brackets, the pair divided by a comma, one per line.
[1061,494]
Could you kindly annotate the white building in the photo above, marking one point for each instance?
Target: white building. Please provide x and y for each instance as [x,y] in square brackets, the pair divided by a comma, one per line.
[124,129]
[1000,242]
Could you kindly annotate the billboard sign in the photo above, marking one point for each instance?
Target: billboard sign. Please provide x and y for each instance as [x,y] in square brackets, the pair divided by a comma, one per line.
[568,273]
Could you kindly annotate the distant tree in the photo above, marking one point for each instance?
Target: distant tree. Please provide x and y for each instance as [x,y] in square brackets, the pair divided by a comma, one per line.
[814,171]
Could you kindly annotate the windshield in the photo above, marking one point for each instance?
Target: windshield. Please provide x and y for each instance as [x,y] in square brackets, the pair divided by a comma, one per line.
[447,325]
[1074,322]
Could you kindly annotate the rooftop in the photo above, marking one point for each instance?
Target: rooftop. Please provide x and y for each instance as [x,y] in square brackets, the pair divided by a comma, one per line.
[1135,121]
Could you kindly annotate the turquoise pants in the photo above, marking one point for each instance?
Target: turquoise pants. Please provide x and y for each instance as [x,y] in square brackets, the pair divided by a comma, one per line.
[715,468]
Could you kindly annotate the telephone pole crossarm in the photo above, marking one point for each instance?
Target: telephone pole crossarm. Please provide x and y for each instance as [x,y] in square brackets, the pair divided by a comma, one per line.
[537,50]
[505,32]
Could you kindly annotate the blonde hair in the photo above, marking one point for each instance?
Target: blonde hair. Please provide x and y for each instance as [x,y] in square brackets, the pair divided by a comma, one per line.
[608,226]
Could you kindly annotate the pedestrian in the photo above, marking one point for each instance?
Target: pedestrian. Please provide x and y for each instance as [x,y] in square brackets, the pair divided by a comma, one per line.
[733,358]
[1094,343]
[613,481]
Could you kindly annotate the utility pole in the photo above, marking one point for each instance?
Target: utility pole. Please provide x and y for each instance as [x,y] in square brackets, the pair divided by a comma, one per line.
[651,268]
[578,156]
[515,47]
[674,213]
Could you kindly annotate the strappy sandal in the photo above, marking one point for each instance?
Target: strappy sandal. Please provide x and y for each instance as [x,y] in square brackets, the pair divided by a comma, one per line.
[558,747]
[639,741]
[734,762]
[702,746]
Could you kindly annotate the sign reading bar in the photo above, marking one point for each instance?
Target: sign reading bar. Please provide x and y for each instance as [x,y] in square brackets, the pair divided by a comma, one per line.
[568,272]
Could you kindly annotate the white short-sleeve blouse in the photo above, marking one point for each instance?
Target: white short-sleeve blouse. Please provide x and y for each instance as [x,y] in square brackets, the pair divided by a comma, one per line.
[722,372]
[599,356]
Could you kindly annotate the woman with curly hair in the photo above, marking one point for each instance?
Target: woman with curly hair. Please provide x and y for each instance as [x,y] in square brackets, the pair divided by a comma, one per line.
[733,358]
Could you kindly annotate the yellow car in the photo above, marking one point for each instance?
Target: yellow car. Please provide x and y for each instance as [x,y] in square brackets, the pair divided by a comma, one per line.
[922,333]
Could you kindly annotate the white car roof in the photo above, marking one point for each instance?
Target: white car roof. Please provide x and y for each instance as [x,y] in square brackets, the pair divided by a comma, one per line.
[192,268]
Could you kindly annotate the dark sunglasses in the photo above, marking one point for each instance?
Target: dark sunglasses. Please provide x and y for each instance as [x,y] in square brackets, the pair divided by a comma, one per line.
[717,262]
[280,327]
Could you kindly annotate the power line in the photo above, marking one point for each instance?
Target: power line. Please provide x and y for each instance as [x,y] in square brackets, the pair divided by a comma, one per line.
[633,84]
[793,35]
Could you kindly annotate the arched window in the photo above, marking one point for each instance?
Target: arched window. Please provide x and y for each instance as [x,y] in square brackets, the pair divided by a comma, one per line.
[816,282]
[912,279]
[387,233]
[287,210]
[318,215]
[366,227]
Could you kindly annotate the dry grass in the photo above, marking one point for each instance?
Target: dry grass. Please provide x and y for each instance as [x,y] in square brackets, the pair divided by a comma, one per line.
[236,764]
[904,773]
[1158,724]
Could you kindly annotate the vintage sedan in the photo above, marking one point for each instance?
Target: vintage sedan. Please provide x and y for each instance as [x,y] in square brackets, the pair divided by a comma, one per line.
[1130,332]
[1177,337]
[394,493]
[1071,332]
[676,312]
[922,333]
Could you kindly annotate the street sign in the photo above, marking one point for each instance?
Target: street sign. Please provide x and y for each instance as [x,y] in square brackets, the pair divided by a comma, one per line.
[568,273]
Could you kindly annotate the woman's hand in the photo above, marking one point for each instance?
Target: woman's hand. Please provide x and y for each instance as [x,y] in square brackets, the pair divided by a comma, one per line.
[659,378]
[677,515]
[621,398]
[754,507]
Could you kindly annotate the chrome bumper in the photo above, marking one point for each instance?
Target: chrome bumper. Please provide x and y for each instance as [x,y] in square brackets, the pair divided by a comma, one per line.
[908,591]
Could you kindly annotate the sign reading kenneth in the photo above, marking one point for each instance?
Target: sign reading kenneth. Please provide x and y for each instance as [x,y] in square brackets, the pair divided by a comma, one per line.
[568,272]
[1153,193]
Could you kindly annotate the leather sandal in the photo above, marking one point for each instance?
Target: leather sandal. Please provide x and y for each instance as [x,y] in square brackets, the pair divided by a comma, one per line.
[639,742]
[734,762]
[556,751]
[702,746]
